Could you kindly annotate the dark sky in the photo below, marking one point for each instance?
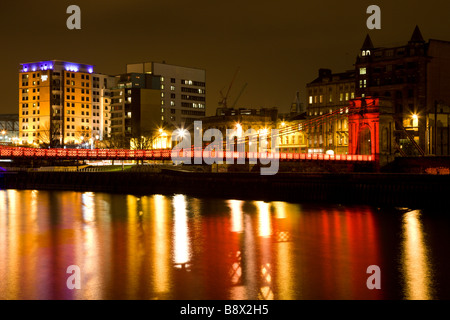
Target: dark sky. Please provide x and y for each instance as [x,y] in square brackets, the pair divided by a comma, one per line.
[278,45]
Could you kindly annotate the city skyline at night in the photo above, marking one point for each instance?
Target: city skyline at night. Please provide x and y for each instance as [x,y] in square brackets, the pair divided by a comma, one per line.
[222,154]
[277,51]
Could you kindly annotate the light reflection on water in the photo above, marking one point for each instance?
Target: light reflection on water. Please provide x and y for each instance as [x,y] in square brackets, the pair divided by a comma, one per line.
[415,260]
[178,247]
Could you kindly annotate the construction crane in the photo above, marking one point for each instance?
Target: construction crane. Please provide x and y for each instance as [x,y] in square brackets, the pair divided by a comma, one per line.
[223,102]
[239,95]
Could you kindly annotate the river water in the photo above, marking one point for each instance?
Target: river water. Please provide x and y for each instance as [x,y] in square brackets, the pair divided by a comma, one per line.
[118,246]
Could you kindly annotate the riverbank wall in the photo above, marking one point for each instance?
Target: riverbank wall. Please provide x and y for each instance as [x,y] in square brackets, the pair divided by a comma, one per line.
[378,189]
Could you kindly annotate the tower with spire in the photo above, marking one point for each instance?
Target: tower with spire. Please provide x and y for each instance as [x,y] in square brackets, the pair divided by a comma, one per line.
[367,47]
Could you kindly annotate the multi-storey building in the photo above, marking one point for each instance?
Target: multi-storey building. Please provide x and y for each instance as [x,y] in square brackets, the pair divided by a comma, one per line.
[136,108]
[290,137]
[182,92]
[56,103]
[101,105]
[415,78]
[248,125]
[328,93]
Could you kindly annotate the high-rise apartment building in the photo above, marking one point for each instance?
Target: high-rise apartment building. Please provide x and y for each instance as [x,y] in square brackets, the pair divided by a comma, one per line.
[62,103]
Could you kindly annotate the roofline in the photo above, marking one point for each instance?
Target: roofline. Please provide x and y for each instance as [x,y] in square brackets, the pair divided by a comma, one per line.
[169,64]
[55,60]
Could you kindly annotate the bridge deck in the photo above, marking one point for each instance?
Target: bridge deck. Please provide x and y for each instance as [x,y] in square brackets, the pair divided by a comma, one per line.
[125,154]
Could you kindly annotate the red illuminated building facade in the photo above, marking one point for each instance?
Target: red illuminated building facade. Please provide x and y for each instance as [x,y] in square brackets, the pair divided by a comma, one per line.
[410,84]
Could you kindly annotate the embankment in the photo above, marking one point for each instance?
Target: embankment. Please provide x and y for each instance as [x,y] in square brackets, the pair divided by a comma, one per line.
[400,190]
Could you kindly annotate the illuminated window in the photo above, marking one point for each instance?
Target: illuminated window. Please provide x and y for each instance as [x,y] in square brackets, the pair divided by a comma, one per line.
[172,88]
[352,96]
[172,103]
[341,97]
[346,96]
[162,79]
[310,99]
[362,70]
[321,98]
[162,87]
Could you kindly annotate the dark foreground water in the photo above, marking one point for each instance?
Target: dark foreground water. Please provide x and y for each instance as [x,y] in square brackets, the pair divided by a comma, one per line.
[178,247]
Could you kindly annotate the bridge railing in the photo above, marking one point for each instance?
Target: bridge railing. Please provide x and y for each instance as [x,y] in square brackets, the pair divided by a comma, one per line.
[125,154]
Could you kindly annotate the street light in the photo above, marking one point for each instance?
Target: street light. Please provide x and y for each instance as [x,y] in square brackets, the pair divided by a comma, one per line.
[415,120]
[182,133]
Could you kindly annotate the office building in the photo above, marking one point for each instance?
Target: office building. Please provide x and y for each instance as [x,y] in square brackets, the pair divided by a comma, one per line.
[182,92]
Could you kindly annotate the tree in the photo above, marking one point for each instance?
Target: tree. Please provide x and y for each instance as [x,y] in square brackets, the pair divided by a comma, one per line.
[115,141]
[49,136]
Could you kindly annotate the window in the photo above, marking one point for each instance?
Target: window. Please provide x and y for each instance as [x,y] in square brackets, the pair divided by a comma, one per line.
[362,70]
[341,97]
[172,88]
[310,99]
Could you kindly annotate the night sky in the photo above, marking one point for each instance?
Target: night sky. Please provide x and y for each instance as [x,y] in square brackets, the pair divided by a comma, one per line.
[278,45]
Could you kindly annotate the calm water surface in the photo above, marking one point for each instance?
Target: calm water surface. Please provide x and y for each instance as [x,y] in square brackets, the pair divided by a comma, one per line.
[179,247]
